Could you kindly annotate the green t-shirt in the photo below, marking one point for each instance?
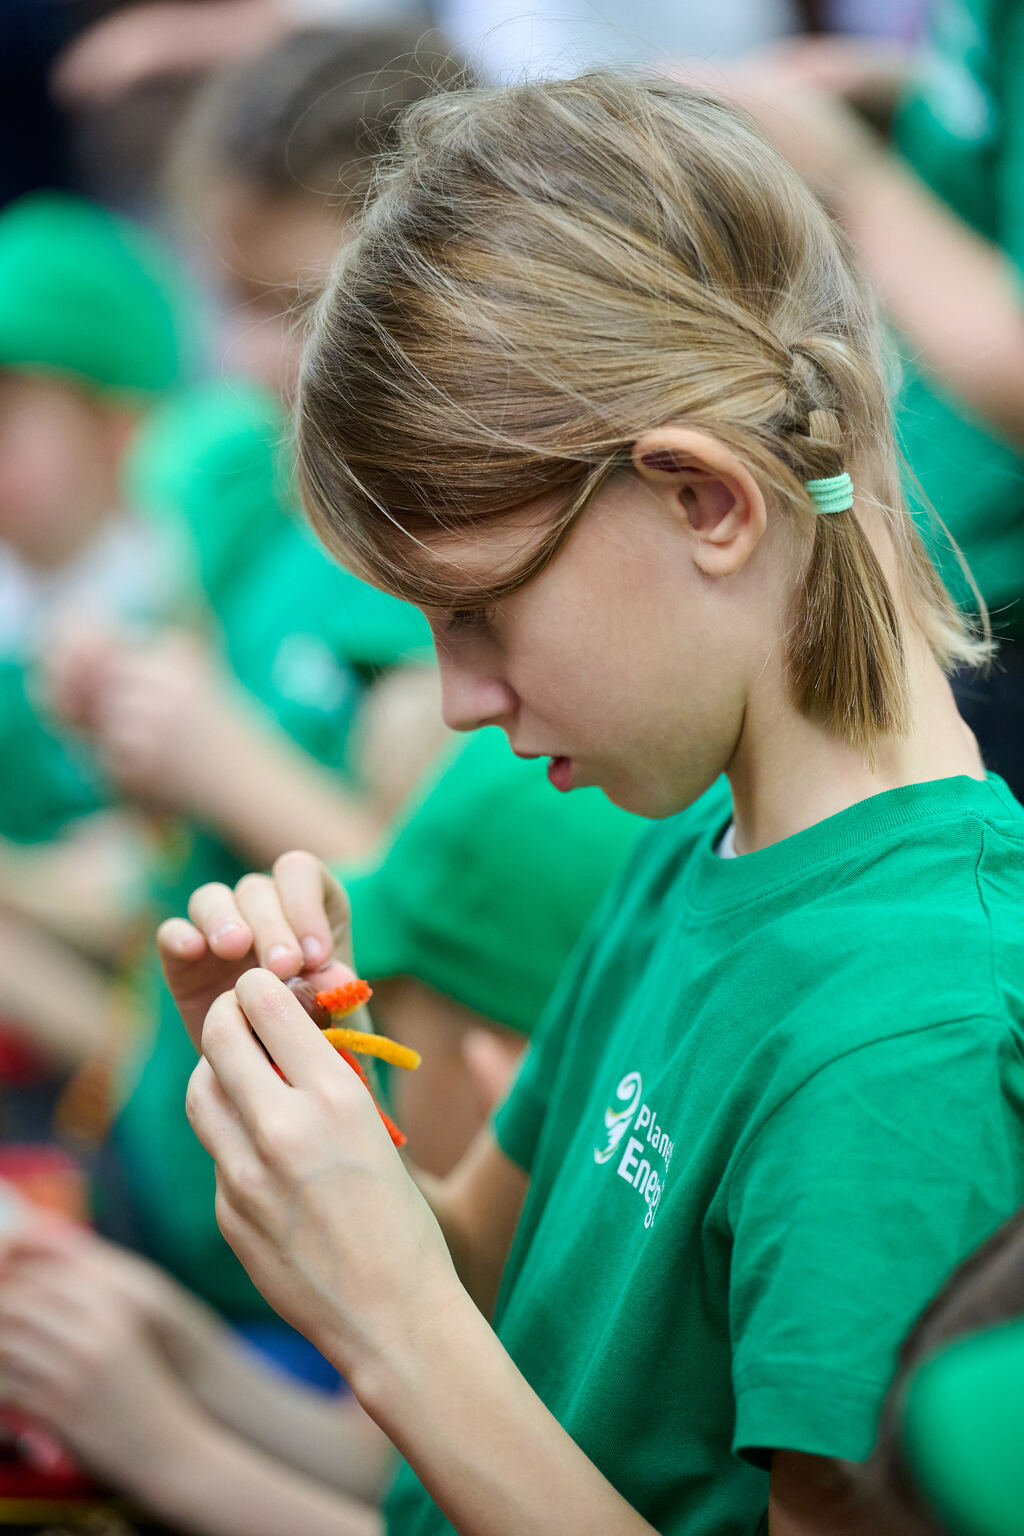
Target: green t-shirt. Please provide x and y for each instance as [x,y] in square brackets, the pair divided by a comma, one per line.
[47,779]
[961,128]
[304,638]
[774,1102]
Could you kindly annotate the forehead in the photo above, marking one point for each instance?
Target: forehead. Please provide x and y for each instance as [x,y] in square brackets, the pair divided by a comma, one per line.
[473,557]
[276,242]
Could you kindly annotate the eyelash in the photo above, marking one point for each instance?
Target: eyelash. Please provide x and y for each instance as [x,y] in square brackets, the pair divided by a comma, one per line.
[469,618]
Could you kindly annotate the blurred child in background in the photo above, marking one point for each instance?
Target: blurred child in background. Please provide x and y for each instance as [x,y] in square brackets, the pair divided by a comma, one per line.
[94,329]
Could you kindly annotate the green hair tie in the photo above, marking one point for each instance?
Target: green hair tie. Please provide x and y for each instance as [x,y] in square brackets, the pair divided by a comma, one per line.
[834,494]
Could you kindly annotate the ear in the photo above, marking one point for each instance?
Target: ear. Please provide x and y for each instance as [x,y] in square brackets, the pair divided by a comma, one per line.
[708,483]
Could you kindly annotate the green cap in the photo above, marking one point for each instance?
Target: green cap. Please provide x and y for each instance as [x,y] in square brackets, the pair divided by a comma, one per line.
[964,1431]
[87,294]
[489,882]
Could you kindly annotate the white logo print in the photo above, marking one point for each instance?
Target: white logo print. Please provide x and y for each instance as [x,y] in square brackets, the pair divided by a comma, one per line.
[637,1165]
[617,1121]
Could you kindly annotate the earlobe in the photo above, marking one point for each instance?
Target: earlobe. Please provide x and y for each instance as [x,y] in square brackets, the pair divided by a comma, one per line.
[721,501]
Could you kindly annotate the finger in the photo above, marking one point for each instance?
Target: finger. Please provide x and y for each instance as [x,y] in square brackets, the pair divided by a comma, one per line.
[285,1028]
[48,1237]
[178,942]
[45,1316]
[214,1119]
[276,945]
[314,905]
[215,913]
[27,1362]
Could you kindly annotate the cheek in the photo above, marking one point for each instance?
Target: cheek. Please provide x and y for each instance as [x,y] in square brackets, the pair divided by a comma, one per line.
[44,467]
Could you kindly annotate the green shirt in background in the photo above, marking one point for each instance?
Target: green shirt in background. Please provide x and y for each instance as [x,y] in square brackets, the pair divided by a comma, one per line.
[304,639]
[961,128]
[775,1100]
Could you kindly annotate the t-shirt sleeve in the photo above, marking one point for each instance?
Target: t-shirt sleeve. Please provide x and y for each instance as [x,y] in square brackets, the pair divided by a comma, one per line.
[517,1122]
[849,1209]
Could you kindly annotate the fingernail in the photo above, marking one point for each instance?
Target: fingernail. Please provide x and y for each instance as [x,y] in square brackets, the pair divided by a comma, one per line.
[312,949]
[222,933]
[279,952]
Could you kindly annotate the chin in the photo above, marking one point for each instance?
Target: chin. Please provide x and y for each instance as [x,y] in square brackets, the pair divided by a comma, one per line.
[640,800]
[656,802]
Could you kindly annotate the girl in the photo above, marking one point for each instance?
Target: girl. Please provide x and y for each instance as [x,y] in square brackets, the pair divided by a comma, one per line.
[596,385]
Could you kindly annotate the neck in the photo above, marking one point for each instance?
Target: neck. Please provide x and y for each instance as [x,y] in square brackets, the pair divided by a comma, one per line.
[788,772]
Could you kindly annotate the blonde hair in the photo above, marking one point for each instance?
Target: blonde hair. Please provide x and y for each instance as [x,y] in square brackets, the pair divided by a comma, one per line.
[548,271]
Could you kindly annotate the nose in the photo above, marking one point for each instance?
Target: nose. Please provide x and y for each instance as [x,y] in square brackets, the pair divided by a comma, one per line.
[471,699]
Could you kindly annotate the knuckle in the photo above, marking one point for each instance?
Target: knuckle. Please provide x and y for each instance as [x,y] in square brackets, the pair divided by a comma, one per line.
[204,895]
[342,904]
[251,885]
[280,1139]
[296,862]
[194,1099]
[341,1094]
[243,1187]
[217,1026]
[224,1211]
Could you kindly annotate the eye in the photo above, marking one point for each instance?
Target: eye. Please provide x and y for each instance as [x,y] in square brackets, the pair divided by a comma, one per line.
[462,620]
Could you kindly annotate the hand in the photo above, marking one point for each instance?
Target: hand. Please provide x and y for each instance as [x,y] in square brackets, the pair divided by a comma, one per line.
[72,665]
[821,137]
[140,1287]
[162,38]
[160,718]
[82,1363]
[296,919]
[867,72]
[311,1194]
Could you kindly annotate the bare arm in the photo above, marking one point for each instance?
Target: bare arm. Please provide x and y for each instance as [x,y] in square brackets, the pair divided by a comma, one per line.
[815,1496]
[178,732]
[79,1354]
[60,1000]
[205,1480]
[321,1436]
[473,1433]
[275,796]
[477,1208]
[87,886]
[952,293]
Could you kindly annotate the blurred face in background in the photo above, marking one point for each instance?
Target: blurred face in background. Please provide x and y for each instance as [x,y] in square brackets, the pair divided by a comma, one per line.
[275,253]
[60,450]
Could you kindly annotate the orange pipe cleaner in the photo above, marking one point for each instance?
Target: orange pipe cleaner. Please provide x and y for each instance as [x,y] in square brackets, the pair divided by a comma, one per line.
[346,999]
[341,1001]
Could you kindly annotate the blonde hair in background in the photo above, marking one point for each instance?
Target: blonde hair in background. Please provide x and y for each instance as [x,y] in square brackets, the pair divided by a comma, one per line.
[549,270]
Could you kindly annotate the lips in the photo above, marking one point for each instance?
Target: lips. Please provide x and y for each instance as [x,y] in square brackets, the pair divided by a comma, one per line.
[560,773]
